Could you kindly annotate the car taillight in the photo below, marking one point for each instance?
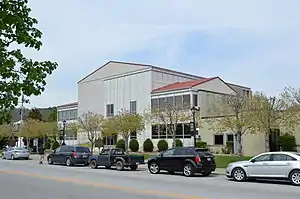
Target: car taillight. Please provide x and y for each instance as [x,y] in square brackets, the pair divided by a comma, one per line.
[197,159]
[74,154]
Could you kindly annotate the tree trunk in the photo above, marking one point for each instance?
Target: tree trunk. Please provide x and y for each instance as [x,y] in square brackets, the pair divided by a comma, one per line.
[92,146]
[239,142]
[174,140]
[126,139]
[267,143]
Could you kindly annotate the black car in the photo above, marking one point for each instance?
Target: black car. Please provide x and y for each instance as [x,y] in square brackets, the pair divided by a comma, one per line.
[116,157]
[188,160]
[69,155]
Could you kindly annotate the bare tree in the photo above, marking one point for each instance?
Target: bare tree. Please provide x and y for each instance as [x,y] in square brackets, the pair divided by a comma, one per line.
[273,113]
[232,113]
[73,129]
[169,116]
[293,93]
[30,129]
[91,123]
[124,123]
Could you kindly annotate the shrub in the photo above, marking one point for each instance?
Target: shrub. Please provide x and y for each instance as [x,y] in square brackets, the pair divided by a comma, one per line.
[134,145]
[287,142]
[148,145]
[99,143]
[47,144]
[228,149]
[120,144]
[162,145]
[178,143]
[55,145]
[201,144]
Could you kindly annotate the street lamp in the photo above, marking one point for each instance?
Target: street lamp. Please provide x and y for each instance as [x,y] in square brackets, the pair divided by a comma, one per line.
[193,110]
[64,131]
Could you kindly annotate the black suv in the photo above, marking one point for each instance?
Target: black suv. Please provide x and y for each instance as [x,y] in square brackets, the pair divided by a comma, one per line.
[69,155]
[188,160]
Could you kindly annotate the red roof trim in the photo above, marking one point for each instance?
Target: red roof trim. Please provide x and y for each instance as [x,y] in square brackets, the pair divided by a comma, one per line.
[183,85]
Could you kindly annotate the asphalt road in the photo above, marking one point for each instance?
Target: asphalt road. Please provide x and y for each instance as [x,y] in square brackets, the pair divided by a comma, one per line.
[28,180]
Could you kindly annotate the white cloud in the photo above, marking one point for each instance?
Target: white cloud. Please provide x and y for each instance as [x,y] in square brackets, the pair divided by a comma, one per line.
[82,36]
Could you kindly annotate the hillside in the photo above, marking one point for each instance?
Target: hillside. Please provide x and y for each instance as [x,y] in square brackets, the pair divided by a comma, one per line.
[16,113]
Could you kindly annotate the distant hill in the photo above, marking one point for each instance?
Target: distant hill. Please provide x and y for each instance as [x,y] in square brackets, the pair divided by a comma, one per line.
[16,116]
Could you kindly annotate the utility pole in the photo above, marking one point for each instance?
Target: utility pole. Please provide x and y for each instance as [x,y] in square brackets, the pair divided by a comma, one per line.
[22,107]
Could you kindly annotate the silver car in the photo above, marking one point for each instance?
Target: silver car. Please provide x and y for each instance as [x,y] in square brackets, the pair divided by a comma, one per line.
[270,165]
[16,153]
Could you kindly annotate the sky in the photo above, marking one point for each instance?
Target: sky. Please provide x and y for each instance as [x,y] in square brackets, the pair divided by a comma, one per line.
[254,43]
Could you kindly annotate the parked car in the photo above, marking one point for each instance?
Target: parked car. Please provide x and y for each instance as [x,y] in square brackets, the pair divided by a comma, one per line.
[116,157]
[270,165]
[13,153]
[69,155]
[189,160]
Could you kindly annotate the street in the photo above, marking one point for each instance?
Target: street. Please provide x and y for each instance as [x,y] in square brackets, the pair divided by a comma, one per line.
[28,180]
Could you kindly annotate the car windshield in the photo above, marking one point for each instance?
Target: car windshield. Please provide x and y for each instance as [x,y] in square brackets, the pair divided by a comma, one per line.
[82,149]
[19,148]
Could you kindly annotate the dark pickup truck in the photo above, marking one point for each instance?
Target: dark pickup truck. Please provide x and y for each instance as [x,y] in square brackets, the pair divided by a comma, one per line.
[116,157]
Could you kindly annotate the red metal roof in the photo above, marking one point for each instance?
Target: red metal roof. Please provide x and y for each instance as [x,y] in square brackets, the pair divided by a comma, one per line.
[183,85]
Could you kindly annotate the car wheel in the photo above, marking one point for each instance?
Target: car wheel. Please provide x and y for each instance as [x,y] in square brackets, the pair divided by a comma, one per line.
[26,158]
[93,164]
[68,162]
[205,174]
[154,168]
[12,157]
[50,160]
[133,167]
[120,166]
[238,174]
[107,167]
[188,170]
[295,177]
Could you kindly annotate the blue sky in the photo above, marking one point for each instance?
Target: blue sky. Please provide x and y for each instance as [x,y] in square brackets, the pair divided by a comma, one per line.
[253,43]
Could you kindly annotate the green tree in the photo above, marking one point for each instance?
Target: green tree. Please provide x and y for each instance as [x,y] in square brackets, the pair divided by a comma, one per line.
[274,113]
[124,123]
[30,129]
[35,114]
[91,124]
[18,73]
[232,113]
[10,132]
[53,115]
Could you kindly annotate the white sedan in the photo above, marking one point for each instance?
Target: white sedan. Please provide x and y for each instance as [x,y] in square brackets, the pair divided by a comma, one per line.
[16,153]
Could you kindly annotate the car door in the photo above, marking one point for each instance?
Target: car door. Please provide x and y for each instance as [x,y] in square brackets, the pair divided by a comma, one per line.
[167,160]
[280,166]
[7,153]
[64,152]
[179,157]
[103,158]
[258,166]
[55,155]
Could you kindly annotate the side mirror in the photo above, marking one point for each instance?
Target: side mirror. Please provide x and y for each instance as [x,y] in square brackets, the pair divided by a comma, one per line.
[53,151]
[252,160]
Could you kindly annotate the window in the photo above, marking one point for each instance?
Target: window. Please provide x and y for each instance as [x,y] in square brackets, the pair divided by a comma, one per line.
[82,149]
[60,116]
[169,152]
[162,103]
[282,157]
[117,152]
[133,135]
[154,132]
[162,131]
[57,150]
[133,107]
[229,138]
[186,101]
[186,130]
[68,149]
[109,110]
[105,152]
[219,139]
[154,103]
[263,158]
[179,131]
[178,102]
[195,100]
[110,140]
[170,101]
[179,151]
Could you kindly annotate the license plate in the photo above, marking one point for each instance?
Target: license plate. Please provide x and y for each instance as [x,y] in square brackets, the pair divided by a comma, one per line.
[208,159]
[84,156]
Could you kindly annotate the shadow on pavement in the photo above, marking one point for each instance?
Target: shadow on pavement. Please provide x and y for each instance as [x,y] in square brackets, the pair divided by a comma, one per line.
[263,181]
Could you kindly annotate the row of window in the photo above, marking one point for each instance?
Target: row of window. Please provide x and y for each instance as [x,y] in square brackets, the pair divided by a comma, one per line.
[110,109]
[274,157]
[161,132]
[67,115]
[180,101]
[219,139]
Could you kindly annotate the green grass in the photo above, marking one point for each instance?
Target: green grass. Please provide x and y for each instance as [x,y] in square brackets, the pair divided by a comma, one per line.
[222,161]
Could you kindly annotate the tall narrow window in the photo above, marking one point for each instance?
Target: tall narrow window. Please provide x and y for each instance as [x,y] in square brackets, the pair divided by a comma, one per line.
[133,107]
[109,110]
[178,101]
[186,100]
[195,100]
[162,103]
[154,104]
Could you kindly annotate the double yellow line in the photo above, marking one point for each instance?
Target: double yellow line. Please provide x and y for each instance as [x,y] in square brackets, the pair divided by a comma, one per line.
[102,185]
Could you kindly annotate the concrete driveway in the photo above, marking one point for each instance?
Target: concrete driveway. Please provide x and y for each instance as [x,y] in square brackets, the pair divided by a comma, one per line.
[54,182]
